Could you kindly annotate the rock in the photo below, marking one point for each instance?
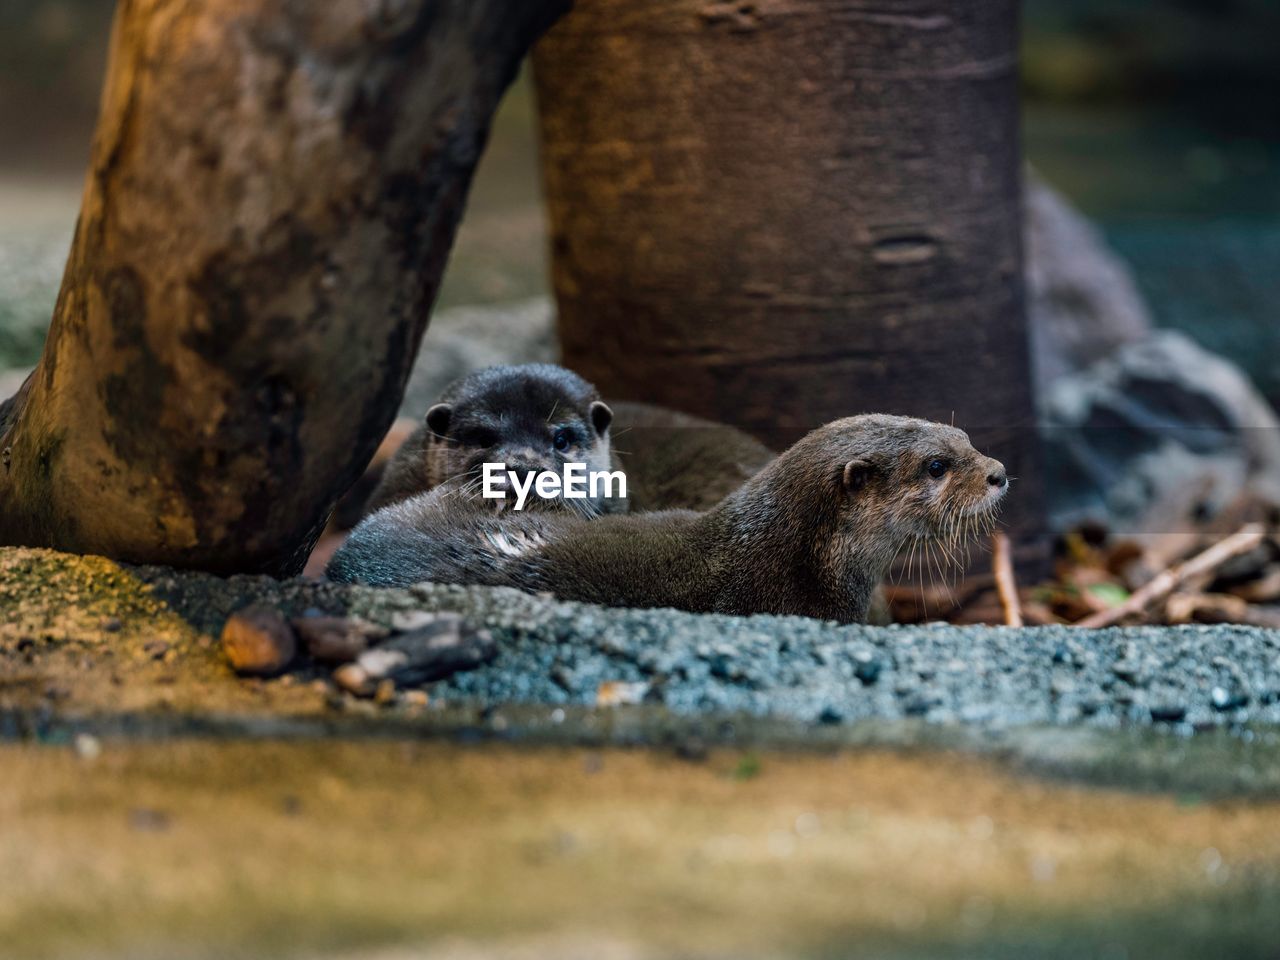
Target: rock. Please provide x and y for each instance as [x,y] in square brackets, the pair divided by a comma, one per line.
[1161,435]
[830,716]
[258,641]
[868,671]
[336,639]
[1082,302]
[1128,671]
[1224,699]
[616,693]
[1168,713]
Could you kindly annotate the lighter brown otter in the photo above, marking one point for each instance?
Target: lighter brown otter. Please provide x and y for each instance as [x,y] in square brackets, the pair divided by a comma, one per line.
[812,534]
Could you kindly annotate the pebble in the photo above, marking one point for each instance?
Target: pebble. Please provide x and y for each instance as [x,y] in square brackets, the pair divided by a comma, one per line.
[87,746]
[352,678]
[1126,670]
[385,694]
[1168,713]
[1224,699]
[868,671]
[406,620]
[615,693]
[258,642]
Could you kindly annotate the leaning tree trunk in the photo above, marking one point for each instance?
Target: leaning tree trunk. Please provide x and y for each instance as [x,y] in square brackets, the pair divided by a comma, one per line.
[779,212]
[273,193]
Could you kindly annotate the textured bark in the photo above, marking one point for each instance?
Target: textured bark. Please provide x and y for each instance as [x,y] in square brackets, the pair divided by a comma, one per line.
[273,192]
[774,213]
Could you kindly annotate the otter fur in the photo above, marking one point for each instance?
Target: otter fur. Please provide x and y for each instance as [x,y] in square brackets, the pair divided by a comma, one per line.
[675,460]
[812,534]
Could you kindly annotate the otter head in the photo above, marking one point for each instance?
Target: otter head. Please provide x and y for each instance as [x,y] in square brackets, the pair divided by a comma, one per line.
[532,418]
[918,480]
[890,481]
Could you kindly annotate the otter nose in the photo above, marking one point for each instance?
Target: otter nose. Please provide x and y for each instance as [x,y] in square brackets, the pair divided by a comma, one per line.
[997,477]
[522,461]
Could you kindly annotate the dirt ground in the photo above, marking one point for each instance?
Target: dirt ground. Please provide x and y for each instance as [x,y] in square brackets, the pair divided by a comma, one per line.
[204,849]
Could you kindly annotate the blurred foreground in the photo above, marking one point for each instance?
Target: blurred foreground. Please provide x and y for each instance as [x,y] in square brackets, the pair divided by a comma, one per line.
[393,851]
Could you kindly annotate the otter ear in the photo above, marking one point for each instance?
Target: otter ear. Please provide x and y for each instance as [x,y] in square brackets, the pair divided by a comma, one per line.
[438,419]
[601,416]
[856,475]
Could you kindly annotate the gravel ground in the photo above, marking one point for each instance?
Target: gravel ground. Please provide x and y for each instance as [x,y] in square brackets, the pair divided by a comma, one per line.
[793,668]
[1188,677]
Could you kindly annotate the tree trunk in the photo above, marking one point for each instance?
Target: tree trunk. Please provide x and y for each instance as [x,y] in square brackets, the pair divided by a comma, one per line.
[273,193]
[778,212]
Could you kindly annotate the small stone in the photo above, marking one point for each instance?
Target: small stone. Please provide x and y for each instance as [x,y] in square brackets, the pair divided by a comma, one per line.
[111,625]
[1127,670]
[87,746]
[920,703]
[385,694]
[830,716]
[407,620]
[614,693]
[258,642]
[868,671]
[1224,699]
[352,678]
[1061,686]
[156,649]
[415,698]
[1168,713]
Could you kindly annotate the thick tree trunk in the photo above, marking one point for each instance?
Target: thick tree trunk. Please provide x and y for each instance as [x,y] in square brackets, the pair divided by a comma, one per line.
[273,194]
[778,212]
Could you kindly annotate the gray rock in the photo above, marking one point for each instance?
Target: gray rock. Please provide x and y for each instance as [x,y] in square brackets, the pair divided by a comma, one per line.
[1161,435]
[1082,302]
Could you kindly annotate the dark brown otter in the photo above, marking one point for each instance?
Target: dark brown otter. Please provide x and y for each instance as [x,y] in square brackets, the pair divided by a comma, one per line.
[533,417]
[812,534]
[675,461]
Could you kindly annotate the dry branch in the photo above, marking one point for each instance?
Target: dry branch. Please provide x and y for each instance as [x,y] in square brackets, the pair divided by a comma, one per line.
[1006,584]
[1164,583]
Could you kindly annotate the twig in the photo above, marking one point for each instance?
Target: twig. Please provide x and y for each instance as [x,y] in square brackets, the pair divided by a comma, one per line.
[1006,585]
[1165,582]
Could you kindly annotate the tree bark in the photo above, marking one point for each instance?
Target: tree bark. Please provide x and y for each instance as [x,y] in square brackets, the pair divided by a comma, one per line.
[273,192]
[775,213]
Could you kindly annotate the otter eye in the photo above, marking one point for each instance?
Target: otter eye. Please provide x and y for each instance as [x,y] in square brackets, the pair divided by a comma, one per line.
[937,468]
[561,439]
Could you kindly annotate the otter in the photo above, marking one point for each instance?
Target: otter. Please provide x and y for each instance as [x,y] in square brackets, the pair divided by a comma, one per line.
[675,460]
[533,417]
[812,534]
